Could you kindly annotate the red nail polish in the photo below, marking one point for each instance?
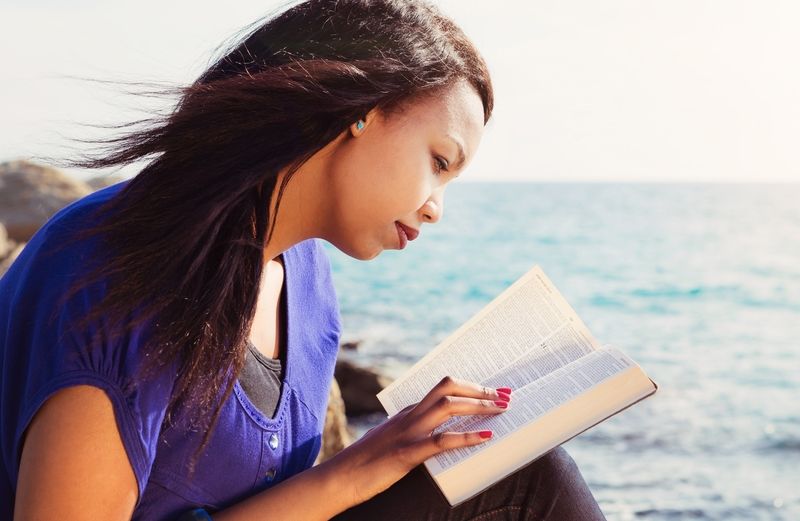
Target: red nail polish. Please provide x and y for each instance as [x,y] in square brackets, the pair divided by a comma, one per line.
[503,396]
[485,434]
[506,390]
[501,404]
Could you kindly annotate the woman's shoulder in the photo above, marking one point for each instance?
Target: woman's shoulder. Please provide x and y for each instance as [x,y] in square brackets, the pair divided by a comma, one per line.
[46,346]
[50,313]
[53,253]
[73,216]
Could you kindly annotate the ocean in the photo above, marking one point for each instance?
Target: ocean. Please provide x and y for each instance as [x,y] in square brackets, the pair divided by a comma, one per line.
[699,283]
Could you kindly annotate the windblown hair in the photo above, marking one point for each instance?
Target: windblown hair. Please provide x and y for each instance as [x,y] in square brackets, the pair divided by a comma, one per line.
[185,238]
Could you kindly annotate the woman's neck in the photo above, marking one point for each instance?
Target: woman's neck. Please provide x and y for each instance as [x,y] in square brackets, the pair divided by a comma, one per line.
[303,209]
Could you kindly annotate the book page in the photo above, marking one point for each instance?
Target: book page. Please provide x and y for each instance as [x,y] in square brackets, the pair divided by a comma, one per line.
[534,401]
[525,333]
[565,345]
[503,456]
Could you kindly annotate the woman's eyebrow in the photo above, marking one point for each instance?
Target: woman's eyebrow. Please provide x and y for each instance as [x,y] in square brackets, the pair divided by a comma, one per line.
[461,157]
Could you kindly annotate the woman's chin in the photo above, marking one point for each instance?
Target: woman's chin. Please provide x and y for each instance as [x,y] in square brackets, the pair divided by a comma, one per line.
[370,254]
[360,251]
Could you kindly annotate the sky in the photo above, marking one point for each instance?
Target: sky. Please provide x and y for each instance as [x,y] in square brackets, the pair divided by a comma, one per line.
[586,91]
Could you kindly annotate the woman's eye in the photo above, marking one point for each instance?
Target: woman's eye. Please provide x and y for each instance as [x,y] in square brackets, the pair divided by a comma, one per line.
[441,164]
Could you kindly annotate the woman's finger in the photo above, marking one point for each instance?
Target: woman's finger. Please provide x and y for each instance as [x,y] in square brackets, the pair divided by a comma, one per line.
[439,442]
[449,406]
[450,386]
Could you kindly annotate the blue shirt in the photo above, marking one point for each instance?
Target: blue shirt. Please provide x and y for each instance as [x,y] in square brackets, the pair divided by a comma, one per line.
[247,452]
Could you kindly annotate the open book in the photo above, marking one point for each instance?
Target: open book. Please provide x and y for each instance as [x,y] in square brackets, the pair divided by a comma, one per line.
[530,339]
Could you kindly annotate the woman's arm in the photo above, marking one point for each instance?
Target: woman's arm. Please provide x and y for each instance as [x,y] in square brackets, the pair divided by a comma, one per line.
[73,463]
[75,467]
[318,493]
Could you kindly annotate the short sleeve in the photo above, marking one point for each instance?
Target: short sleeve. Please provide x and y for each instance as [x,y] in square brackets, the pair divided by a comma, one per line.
[41,350]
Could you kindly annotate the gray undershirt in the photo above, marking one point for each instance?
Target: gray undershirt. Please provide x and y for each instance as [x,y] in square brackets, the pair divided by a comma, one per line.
[261,379]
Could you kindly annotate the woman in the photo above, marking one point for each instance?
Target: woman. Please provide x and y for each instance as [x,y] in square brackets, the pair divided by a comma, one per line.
[168,343]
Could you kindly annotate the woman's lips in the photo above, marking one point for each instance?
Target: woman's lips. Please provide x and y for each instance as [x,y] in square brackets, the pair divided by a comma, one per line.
[405,234]
[401,235]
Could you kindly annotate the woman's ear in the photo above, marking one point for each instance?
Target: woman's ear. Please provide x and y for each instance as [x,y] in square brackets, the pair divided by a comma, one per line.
[359,126]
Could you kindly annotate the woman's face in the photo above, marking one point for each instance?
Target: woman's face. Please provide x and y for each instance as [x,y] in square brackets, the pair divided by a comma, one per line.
[396,168]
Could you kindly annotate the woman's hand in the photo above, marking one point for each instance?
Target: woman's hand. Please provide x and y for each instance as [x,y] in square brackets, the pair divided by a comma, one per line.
[389,451]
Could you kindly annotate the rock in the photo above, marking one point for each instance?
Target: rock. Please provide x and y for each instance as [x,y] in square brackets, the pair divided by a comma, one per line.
[6,263]
[102,181]
[350,346]
[359,385]
[6,245]
[9,250]
[336,435]
[31,193]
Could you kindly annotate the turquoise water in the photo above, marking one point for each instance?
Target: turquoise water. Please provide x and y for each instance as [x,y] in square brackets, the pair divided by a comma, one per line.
[698,283]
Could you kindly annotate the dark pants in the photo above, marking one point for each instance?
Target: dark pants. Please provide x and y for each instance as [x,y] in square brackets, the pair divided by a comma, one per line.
[550,488]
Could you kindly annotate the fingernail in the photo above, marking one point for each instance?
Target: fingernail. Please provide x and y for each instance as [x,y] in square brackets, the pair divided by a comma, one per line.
[503,396]
[501,404]
[506,390]
[485,434]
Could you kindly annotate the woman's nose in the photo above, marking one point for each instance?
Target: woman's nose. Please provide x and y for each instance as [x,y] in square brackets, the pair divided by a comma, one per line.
[432,210]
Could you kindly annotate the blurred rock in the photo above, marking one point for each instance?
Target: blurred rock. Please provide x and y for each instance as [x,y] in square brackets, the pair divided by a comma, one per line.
[351,345]
[5,244]
[9,259]
[359,385]
[336,435]
[9,250]
[102,181]
[31,193]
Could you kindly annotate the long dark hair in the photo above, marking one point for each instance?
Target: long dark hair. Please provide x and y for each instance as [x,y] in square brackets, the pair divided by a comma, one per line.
[187,234]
